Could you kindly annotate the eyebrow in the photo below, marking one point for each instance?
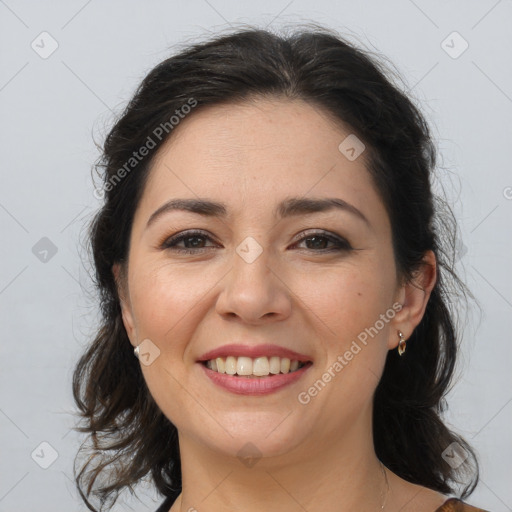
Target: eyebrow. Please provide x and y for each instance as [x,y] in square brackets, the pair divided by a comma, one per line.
[287,208]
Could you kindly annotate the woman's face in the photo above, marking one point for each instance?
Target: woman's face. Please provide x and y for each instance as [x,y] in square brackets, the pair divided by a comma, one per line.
[253,277]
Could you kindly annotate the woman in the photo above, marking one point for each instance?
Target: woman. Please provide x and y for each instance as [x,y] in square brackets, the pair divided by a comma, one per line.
[276,329]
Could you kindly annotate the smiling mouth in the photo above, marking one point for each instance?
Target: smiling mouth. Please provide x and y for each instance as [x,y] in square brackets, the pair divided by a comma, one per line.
[254,367]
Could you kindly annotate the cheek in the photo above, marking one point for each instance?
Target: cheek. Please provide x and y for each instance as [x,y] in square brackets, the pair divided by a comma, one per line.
[167,300]
[168,306]
[343,301]
[343,308]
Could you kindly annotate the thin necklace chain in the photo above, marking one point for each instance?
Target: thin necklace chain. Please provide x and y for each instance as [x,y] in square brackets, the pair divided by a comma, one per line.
[387,486]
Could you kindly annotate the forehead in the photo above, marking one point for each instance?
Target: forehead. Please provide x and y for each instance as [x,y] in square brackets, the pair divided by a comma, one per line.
[257,153]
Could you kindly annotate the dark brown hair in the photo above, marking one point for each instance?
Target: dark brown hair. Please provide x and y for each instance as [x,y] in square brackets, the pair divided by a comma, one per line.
[130,435]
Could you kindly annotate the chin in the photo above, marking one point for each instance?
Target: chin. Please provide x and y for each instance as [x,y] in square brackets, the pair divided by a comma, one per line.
[253,434]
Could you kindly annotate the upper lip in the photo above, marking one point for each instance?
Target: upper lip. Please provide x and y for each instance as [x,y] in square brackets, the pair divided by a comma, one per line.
[237,350]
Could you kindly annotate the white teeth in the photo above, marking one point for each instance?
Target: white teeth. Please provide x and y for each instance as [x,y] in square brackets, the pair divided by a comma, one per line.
[275,364]
[230,365]
[261,366]
[257,367]
[244,366]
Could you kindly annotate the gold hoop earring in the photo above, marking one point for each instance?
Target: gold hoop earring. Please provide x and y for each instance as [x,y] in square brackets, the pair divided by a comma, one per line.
[401,343]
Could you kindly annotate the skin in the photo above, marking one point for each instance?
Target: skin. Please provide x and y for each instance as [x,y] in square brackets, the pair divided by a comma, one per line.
[314,457]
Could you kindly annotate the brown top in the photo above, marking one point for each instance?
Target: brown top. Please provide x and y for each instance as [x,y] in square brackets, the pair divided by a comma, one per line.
[455,505]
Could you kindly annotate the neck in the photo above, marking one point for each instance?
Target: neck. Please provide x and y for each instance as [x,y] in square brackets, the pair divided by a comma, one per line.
[329,475]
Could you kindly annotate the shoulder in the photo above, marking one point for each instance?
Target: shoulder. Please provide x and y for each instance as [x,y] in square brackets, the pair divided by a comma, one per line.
[409,497]
[456,505]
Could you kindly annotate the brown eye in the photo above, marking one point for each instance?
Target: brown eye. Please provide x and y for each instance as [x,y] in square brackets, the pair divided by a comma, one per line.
[193,241]
[318,242]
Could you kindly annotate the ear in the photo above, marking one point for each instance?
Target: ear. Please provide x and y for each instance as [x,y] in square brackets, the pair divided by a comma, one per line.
[124,300]
[414,297]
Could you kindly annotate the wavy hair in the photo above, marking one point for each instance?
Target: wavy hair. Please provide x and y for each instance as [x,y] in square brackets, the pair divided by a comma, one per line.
[130,436]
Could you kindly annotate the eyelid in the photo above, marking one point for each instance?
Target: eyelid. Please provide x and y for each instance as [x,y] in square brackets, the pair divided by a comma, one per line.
[340,241]
[316,231]
[178,237]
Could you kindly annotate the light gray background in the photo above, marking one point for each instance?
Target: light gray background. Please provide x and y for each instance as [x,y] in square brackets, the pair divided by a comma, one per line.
[52,107]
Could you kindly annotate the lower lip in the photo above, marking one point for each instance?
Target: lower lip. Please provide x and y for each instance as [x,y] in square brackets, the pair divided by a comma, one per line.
[257,385]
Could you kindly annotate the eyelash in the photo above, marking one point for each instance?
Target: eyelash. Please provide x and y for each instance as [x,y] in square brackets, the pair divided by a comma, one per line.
[170,243]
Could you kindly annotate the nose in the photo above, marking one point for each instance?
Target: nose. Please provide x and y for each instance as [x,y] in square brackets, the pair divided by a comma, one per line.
[254,291]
